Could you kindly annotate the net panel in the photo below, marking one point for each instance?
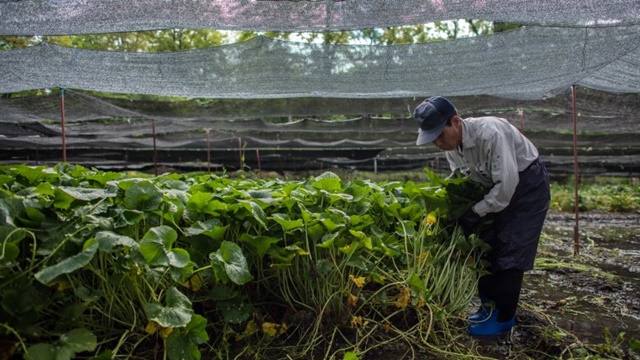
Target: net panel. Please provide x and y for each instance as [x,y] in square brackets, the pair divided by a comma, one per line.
[92,116]
[608,141]
[530,63]
[42,17]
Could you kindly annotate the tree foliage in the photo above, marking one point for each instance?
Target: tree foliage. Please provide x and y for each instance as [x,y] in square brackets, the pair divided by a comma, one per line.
[187,39]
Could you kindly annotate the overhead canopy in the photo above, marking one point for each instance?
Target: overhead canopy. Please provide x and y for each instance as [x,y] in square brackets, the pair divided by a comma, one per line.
[530,63]
[595,44]
[51,17]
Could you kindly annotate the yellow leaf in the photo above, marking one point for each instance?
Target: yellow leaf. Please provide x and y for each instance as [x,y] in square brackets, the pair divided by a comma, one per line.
[270,329]
[352,300]
[355,321]
[403,298]
[194,283]
[152,327]
[165,332]
[60,285]
[424,255]
[359,281]
[249,330]
[386,328]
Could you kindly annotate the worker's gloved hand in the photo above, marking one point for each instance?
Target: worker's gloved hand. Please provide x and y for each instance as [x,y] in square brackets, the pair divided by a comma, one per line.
[469,222]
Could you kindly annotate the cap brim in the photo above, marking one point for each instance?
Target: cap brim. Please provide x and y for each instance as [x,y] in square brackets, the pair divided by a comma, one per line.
[427,136]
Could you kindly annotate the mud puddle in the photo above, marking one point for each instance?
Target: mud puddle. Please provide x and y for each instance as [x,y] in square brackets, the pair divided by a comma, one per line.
[594,295]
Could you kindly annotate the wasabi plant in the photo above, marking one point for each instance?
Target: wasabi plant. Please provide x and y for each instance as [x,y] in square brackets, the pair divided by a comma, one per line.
[104,264]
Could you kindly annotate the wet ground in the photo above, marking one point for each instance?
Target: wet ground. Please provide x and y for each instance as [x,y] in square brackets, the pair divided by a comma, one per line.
[579,306]
[598,288]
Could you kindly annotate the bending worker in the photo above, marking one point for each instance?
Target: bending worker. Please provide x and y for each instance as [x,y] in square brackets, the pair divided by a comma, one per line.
[494,153]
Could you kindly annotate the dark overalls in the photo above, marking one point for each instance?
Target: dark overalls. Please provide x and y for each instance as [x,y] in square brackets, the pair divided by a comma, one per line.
[513,236]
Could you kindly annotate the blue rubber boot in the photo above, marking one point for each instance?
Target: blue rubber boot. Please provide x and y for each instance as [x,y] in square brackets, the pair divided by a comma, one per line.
[491,326]
[484,311]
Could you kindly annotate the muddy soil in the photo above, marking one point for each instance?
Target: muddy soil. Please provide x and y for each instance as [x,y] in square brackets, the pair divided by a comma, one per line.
[583,298]
[600,286]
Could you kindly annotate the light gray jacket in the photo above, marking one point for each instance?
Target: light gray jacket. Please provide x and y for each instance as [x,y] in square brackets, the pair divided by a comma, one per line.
[493,153]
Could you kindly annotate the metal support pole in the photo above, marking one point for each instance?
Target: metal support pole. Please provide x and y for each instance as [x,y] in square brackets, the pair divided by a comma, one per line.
[576,228]
[64,137]
[258,159]
[155,151]
[521,113]
[240,154]
[208,151]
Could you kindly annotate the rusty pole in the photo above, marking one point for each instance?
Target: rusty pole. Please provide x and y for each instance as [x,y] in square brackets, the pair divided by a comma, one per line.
[208,151]
[155,151]
[240,154]
[64,138]
[258,159]
[576,237]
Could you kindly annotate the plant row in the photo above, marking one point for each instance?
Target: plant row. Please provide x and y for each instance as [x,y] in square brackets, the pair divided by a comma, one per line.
[104,265]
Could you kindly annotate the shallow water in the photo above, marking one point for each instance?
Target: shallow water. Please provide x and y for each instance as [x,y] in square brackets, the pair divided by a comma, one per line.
[600,295]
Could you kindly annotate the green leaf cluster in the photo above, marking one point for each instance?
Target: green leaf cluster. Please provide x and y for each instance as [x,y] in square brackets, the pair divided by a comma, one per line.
[142,254]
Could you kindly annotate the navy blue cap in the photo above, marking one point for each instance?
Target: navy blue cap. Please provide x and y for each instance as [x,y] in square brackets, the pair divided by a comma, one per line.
[432,116]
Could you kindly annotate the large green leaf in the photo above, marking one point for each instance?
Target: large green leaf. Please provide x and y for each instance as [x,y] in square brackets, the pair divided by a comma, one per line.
[28,175]
[230,261]
[235,311]
[69,264]
[48,352]
[31,217]
[156,245]
[79,340]
[103,178]
[86,194]
[108,240]
[260,243]
[212,228]
[327,181]
[255,210]
[143,196]
[287,224]
[9,208]
[183,344]
[176,312]
[198,201]
[10,237]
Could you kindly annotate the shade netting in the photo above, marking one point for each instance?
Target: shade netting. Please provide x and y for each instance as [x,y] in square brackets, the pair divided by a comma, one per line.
[41,17]
[530,63]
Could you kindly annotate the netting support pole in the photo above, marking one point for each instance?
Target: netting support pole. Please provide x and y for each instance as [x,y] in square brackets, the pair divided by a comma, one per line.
[240,153]
[576,237]
[208,151]
[155,150]
[521,113]
[258,159]
[375,165]
[64,137]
